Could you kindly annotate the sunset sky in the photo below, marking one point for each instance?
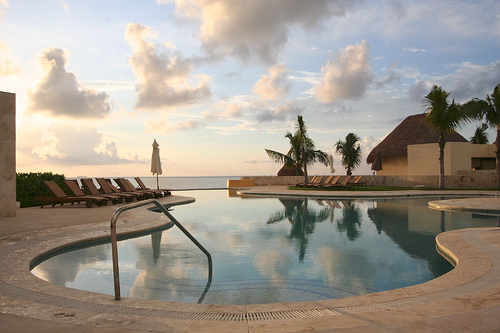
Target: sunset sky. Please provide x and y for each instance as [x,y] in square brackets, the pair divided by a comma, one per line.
[215,82]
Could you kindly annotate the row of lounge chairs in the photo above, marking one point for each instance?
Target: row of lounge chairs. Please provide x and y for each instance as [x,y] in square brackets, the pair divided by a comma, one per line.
[331,181]
[107,192]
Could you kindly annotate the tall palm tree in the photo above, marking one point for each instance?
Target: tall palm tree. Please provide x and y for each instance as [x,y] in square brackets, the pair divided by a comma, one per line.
[444,118]
[350,152]
[489,111]
[480,136]
[302,151]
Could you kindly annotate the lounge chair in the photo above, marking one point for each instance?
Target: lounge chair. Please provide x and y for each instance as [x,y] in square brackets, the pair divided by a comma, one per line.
[109,188]
[127,187]
[77,191]
[61,197]
[332,180]
[90,186]
[142,186]
[315,180]
[340,182]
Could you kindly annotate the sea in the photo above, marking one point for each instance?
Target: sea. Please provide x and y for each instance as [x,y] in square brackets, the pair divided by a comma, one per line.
[186,183]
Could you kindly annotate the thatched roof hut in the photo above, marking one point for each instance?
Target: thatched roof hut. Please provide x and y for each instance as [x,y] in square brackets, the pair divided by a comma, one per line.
[413,130]
[290,171]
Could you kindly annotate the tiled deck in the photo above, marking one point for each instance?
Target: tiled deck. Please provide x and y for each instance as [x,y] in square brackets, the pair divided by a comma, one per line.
[466,299]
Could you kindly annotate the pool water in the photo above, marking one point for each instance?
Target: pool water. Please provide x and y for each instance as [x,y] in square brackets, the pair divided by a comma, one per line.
[268,250]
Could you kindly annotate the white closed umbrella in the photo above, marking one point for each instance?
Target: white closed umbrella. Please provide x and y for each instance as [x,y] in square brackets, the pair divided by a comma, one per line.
[156,163]
[330,158]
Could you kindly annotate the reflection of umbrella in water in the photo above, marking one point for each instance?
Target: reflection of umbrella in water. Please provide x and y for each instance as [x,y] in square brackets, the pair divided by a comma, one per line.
[156,243]
[156,163]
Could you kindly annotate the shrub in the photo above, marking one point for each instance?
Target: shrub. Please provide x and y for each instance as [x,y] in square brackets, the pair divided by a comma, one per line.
[30,186]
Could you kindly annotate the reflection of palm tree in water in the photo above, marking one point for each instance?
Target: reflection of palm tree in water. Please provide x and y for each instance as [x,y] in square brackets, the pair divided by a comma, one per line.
[302,218]
[350,221]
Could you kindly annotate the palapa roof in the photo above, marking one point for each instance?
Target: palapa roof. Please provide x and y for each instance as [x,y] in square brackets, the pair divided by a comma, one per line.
[413,130]
[290,171]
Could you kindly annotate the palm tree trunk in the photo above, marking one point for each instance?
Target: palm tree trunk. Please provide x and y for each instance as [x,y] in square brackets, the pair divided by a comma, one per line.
[497,152]
[441,143]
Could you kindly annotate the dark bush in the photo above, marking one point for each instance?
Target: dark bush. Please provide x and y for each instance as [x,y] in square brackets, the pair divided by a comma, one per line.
[30,186]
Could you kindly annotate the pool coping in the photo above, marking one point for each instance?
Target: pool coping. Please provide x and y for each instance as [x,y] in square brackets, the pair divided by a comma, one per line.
[472,288]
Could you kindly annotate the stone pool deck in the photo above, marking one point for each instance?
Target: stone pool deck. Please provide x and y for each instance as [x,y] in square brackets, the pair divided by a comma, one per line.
[467,299]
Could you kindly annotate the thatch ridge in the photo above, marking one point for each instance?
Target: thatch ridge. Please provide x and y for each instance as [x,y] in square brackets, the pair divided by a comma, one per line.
[413,130]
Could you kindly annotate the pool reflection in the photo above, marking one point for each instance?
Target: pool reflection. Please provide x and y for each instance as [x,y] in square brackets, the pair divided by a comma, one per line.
[273,250]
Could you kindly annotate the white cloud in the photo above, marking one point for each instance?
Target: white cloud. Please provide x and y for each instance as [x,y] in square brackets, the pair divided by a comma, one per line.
[165,80]
[165,126]
[254,29]
[68,144]
[347,76]
[413,49]
[224,110]
[59,93]
[3,7]
[8,62]
[274,85]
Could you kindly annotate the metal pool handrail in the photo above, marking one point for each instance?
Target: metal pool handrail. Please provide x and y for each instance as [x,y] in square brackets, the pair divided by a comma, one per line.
[114,240]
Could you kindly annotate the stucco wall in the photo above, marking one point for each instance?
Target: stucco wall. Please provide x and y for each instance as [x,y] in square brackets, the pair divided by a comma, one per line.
[7,154]
[423,159]
[397,165]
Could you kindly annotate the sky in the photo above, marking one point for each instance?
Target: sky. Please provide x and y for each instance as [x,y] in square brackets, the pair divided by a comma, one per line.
[216,82]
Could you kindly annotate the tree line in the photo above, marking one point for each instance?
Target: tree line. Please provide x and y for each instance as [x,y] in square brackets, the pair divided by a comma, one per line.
[441,115]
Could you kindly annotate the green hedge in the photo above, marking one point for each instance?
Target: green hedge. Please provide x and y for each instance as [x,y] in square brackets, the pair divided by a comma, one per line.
[30,185]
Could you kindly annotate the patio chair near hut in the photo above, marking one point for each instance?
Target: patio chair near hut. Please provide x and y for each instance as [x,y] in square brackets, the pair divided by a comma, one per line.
[60,197]
[341,181]
[332,180]
[142,186]
[315,180]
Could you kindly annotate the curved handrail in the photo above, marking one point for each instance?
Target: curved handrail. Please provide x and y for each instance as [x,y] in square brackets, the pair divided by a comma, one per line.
[114,240]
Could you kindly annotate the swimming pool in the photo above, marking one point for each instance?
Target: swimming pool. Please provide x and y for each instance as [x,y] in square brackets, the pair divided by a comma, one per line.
[268,250]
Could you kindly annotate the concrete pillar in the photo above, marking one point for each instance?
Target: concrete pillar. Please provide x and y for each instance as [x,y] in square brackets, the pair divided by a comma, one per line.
[7,154]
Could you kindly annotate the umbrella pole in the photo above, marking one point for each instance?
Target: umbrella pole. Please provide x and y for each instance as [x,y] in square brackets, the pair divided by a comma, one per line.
[157,183]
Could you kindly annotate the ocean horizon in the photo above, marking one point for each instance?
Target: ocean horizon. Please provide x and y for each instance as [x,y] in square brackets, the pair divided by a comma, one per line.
[182,183]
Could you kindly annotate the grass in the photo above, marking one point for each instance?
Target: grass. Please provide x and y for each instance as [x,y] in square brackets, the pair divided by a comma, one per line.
[363,188]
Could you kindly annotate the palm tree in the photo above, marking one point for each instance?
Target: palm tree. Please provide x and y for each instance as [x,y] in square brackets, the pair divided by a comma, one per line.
[489,111]
[350,151]
[302,150]
[444,118]
[480,136]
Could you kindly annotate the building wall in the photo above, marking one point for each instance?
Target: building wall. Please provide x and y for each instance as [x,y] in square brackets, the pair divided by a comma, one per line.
[423,159]
[397,165]
[7,154]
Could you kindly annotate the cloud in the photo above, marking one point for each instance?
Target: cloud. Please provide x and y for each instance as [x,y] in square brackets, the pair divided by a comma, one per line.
[59,93]
[413,49]
[417,92]
[8,61]
[165,80]
[274,85]
[165,126]
[347,76]
[256,29]
[225,110]
[3,7]
[78,145]
[472,80]
[282,111]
